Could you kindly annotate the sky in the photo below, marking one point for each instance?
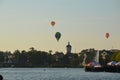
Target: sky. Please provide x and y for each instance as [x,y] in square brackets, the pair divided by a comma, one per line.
[84,23]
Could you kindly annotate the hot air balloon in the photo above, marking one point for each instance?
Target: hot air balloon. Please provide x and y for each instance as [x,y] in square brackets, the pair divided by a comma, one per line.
[57,35]
[52,23]
[107,35]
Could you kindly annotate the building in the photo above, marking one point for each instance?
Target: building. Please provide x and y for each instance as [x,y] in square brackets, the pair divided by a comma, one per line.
[68,48]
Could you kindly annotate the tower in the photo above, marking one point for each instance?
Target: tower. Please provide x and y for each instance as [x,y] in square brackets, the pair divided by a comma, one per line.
[68,48]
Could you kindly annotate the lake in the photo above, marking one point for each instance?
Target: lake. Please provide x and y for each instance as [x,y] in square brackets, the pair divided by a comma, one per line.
[55,74]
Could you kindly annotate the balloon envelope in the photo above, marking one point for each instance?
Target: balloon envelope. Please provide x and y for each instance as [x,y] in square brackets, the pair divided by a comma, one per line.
[52,23]
[57,35]
[107,35]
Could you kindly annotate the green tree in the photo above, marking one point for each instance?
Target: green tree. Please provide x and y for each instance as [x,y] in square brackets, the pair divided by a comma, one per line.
[116,56]
[16,55]
[75,60]
[1,56]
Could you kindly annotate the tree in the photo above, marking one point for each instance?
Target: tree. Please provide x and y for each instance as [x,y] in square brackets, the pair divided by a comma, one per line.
[116,56]
[1,56]
[16,55]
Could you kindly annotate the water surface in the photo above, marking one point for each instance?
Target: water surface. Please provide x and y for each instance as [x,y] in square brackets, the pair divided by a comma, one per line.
[55,74]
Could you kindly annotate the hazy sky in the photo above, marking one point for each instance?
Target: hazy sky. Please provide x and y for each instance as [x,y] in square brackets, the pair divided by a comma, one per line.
[26,23]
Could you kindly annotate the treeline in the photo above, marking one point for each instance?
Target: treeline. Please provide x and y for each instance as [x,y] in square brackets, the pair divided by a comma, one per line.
[35,58]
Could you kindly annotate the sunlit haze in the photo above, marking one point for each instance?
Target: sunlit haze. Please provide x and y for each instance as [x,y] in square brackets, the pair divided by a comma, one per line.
[84,23]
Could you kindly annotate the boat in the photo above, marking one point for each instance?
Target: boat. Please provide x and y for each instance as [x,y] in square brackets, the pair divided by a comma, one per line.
[110,67]
[113,67]
[93,67]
